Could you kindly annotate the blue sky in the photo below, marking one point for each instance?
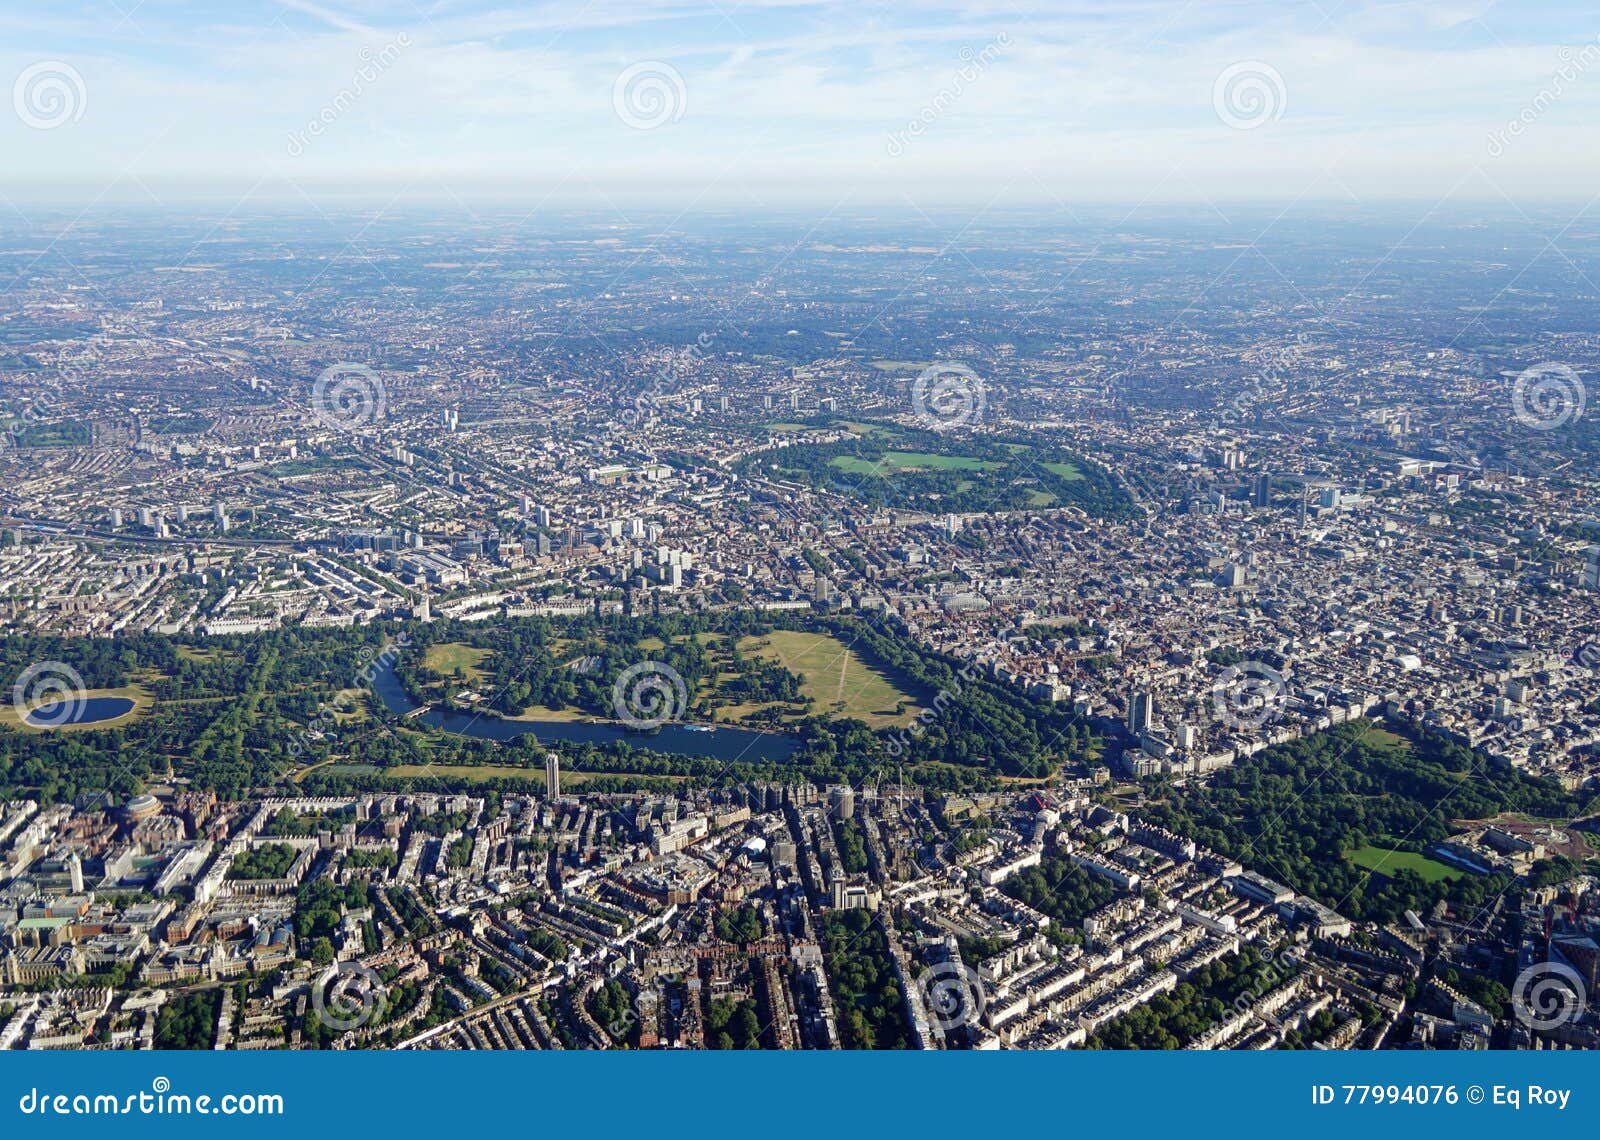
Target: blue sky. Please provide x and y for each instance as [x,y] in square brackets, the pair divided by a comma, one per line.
[782,100]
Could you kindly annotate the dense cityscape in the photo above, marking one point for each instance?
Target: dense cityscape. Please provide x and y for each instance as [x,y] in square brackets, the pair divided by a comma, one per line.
[464,630]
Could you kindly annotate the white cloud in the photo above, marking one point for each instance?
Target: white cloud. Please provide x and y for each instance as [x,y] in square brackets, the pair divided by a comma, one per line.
[1397,98]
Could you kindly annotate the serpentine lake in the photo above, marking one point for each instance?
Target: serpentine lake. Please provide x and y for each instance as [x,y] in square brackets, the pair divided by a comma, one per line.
[730,744]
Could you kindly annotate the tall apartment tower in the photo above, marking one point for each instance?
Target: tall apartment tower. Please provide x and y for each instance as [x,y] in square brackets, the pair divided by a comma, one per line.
[1141,711]
[552,776]
[1261,493]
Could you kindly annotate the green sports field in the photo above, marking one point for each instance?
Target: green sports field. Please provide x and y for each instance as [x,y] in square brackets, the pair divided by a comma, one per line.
[1384,861]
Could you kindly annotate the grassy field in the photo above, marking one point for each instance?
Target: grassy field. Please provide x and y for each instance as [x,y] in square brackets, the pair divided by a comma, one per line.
[1065,469]
[138,694]
[452,655]
[1382,736]
[544,713]
[1383,861]
[838,681]
[909,461]
[477,773]
[655,644]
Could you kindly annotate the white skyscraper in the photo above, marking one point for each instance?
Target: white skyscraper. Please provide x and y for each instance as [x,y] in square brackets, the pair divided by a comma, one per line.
[552,776]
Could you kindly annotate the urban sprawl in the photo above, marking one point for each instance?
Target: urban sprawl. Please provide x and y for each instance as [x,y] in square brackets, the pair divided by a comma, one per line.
[448,632]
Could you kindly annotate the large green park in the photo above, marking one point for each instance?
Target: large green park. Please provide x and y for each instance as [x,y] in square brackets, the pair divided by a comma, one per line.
[925,470]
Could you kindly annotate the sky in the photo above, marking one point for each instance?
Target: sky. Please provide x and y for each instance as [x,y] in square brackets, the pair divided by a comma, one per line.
[781,101]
